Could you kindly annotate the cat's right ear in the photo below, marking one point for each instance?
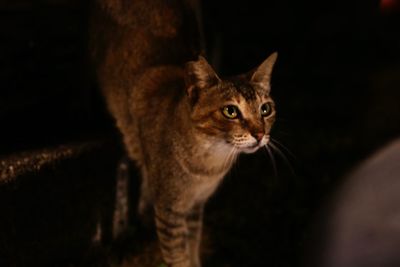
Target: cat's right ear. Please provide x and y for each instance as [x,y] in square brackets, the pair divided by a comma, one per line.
[198,76]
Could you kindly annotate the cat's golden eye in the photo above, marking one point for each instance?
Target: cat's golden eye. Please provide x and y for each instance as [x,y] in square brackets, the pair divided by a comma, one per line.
[230,111]
[266,109]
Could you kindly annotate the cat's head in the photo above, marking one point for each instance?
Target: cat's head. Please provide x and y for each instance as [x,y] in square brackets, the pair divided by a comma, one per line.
[239,111]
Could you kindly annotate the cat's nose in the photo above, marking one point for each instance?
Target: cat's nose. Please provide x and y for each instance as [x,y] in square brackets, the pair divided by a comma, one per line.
[258,136]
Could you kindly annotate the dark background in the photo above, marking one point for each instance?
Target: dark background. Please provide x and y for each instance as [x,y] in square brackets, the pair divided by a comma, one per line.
[336,85]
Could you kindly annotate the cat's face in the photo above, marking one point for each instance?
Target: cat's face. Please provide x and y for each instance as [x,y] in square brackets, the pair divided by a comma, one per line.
[237,111]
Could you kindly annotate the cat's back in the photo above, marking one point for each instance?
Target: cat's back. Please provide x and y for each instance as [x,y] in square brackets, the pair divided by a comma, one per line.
[128,36]
[138,49]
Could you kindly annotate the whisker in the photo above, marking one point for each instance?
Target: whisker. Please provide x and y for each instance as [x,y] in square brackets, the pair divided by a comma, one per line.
[271,155]
[277,143]
[235,157]
[224,164]
[280,153]
[235,168]
[230,158]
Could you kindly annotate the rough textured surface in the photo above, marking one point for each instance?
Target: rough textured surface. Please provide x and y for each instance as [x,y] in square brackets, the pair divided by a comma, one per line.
[33,161]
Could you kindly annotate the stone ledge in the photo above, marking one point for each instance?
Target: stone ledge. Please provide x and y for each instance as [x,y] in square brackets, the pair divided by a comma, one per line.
[33,161]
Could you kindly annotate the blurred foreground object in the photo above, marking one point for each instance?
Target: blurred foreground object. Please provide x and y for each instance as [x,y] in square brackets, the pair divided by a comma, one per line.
[364,228]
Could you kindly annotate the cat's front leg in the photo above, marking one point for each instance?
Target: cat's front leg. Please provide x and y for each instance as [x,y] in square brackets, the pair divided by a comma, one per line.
[194,222]
[172,235]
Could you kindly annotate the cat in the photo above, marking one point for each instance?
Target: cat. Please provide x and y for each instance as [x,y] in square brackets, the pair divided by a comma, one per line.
[181,123]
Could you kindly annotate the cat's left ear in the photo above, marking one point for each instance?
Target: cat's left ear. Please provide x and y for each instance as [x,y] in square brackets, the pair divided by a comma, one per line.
[199,75]
[262,75]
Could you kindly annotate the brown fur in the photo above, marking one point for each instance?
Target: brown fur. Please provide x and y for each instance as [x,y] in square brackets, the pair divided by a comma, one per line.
[167,104]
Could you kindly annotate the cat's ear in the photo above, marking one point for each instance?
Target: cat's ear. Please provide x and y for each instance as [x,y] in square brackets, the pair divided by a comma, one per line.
[262,75]
[199,75]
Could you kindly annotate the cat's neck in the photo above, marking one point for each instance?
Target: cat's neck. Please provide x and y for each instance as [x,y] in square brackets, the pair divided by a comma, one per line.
[198,152]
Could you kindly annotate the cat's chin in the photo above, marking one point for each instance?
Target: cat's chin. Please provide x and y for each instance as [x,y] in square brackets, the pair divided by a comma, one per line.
[249,150]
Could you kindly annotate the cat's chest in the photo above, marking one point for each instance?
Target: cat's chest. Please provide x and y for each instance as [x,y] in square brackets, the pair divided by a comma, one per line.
[216,161]
[205,187]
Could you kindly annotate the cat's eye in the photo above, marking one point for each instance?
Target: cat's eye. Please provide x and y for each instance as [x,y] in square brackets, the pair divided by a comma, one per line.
[230,111]
[266,109]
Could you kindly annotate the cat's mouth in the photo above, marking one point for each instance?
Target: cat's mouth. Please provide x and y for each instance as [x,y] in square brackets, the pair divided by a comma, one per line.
[254,146]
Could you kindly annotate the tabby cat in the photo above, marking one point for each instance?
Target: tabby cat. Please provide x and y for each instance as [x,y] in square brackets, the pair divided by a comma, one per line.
[181,123]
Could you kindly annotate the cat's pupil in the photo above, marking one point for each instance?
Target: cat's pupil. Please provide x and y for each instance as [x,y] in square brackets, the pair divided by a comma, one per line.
[231,112]
[266,109]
